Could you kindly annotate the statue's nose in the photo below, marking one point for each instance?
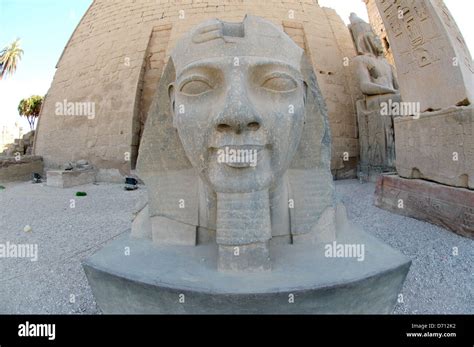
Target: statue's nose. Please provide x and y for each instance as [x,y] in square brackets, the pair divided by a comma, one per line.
[238,115]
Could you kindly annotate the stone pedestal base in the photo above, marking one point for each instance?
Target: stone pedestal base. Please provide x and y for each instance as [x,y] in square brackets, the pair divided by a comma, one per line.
[67,179]
[304,279]
[448,207]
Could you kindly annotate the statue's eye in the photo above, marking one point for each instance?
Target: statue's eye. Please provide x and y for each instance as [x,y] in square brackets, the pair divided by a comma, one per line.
[280,82]
[195,86]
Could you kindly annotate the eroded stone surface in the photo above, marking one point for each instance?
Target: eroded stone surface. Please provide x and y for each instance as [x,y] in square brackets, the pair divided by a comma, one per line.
[236,156]
[437,147]
[430,53]
[67,179]
[448,207]
[226,91]
[20,168]
[23,146]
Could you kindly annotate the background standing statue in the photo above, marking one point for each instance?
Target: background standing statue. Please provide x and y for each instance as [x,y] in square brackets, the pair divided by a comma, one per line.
[378,84]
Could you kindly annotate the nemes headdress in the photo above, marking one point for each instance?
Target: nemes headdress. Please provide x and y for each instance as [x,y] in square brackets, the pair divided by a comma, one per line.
[215,38]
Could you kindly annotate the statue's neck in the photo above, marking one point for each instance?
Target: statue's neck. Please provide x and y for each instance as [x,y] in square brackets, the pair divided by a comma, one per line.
[243,218]
[279,208]
[243,231]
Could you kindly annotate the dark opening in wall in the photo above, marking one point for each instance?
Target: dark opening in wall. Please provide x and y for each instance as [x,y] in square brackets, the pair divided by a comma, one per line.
[386,43]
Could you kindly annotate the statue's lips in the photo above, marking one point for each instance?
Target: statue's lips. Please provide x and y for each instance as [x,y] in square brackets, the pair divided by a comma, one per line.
[239,157]
[243,147]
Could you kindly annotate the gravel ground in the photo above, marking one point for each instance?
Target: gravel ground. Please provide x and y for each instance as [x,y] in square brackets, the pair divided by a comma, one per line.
[438,282]
[64,236]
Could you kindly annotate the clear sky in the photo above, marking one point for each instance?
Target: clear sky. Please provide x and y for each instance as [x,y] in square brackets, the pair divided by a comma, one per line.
[45,26]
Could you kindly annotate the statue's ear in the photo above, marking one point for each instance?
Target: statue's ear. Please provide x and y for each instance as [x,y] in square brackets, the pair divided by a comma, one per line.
[171,95]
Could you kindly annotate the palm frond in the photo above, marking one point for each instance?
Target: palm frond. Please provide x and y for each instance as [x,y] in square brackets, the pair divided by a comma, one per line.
[9,58]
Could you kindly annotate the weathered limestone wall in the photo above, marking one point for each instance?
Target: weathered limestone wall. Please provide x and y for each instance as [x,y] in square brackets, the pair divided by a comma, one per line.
[116,56]
[340,91]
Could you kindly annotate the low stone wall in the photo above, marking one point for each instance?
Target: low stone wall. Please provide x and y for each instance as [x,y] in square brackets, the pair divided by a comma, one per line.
[12,169]
[23,145]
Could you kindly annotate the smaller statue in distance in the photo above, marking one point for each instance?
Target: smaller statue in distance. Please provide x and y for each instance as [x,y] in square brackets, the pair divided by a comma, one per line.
[378,83]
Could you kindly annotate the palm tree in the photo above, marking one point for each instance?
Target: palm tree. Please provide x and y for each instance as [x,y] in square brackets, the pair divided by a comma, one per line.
[31,109]
[9,58]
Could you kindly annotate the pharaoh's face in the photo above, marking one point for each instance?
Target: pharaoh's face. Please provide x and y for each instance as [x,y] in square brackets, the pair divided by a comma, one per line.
[239,119]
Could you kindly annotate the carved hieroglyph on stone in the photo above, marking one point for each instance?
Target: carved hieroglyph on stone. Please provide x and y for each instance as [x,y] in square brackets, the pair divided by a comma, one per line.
[378,84]
[236,159]
[438,147]
[435,69]
[227,91]
[430,53]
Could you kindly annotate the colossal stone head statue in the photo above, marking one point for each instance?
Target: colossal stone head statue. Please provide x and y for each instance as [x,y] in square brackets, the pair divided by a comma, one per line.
[236,159]
[234,94]
[236,149]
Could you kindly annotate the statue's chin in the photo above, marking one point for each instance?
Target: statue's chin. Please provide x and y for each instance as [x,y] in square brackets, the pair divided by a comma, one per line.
[245,180]
[239,186]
